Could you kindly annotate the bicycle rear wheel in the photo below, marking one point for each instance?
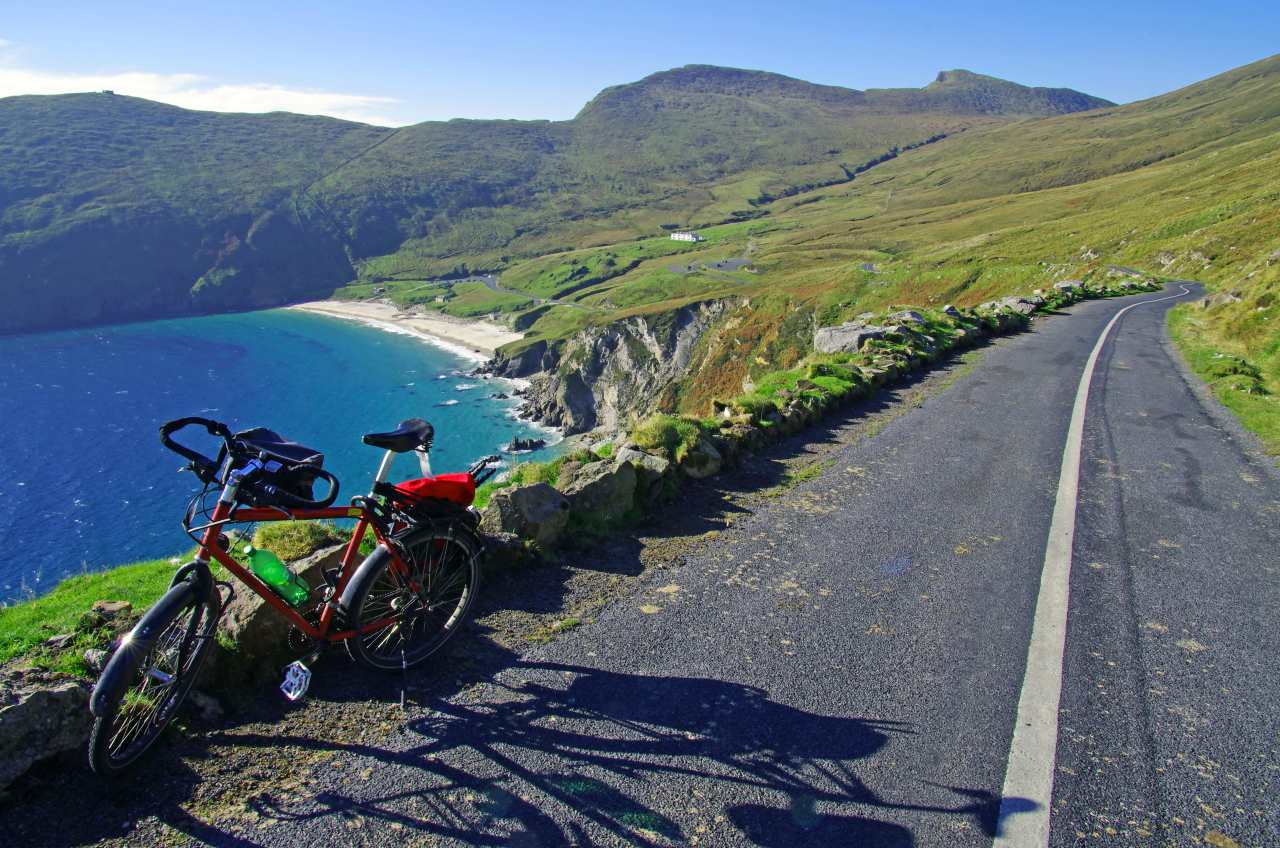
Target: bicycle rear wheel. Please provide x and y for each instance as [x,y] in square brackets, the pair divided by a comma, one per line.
[421,603]
[128,721]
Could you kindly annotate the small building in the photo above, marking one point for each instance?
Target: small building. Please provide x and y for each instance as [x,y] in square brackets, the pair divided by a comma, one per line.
[686,235]
[107,91]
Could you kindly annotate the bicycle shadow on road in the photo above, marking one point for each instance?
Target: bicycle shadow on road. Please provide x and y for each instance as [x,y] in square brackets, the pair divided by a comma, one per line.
[551,753]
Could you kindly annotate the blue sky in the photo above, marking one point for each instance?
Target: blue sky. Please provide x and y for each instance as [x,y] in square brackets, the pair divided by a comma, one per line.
[401,62]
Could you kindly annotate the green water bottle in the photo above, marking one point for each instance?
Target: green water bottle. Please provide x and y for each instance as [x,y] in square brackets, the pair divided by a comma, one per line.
[273,572]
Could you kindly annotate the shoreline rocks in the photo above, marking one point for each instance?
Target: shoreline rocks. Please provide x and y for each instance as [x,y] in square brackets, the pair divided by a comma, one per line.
[519,445]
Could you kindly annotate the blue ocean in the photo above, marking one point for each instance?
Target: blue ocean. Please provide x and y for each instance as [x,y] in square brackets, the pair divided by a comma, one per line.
[85,483]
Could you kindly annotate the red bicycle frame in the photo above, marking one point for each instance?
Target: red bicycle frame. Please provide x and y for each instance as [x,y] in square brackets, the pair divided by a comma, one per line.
[228,513]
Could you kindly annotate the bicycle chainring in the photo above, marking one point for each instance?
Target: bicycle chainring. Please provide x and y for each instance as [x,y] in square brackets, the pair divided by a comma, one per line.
[299,642]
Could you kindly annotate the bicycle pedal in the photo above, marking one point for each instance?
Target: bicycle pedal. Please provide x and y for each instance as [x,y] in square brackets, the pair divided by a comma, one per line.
[297,678]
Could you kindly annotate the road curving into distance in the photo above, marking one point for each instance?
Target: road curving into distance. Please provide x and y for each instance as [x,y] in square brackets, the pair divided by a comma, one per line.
[846,664]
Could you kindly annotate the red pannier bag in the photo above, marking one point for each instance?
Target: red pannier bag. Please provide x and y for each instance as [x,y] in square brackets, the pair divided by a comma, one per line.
[455,488]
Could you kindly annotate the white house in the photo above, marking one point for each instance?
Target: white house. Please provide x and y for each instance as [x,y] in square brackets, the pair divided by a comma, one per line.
[686,235]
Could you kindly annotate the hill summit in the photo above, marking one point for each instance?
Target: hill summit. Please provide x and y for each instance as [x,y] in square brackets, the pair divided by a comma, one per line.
[967,90]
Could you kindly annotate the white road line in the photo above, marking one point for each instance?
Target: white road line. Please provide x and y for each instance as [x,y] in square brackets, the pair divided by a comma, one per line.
[1029,773]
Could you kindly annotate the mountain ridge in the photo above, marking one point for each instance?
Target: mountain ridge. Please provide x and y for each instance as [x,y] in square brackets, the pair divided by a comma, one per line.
[138,209]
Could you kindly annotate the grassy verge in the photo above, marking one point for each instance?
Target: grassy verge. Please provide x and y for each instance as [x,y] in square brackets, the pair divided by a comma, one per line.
[24,626]
[527,473]
[1241,368]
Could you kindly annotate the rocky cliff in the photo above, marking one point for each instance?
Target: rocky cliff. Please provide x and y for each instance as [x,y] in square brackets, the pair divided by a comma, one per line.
[609,375]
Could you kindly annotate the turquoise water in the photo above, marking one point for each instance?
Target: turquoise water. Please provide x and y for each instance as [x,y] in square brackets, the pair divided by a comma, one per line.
[85,483]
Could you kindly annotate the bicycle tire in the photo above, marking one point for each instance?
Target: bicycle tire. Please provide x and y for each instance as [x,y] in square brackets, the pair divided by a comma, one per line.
[446,567]
[128,722]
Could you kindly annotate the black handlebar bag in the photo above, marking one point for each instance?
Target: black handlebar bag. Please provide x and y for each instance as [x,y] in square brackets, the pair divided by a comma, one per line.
[289,466]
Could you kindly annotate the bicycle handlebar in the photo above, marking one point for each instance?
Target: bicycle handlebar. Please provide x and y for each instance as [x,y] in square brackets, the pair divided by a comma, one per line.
[207,468]
[200,462]
[276,496]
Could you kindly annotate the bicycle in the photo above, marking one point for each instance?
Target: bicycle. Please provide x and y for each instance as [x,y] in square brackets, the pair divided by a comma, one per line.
[392,609]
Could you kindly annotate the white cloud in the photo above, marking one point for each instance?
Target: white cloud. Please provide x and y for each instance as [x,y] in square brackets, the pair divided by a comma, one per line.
[192,91]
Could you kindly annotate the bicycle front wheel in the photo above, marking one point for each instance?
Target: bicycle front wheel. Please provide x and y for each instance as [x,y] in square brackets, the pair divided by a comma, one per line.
[129,721]
[412,605]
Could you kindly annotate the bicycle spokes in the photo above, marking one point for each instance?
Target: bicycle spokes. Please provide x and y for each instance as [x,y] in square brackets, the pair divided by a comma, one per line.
[420,598]
[148,702]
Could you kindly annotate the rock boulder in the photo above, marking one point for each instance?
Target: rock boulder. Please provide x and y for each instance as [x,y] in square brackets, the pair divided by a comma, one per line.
[259,632]
[41,715]
[603,490]
[751,437]
[846,338]
[536,512]
[703,460]
[1020,305]
[519,445]
[651,472]
[1218,299]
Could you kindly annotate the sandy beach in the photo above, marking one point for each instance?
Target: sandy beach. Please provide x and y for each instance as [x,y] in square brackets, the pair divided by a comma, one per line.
[473,338]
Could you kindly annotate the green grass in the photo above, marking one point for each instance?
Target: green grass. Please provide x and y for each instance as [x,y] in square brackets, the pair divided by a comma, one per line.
[462,299]
[546,633]
[25,625]
[992,213]
[485,492]
[1236,351]
[528,473]
[671,435]
[796,475]
[292,540]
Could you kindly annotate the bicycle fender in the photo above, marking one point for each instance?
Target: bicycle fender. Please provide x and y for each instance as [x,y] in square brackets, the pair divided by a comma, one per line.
[134,646]
[373,561]
[194,572]
[380,555]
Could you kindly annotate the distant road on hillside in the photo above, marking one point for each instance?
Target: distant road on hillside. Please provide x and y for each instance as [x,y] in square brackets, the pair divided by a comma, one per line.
[491,281]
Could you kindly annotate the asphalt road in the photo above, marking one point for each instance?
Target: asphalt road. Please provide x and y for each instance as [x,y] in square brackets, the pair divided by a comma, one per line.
[843,665]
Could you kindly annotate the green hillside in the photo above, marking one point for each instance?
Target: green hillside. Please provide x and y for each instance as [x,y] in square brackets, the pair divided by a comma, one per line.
[114,208]
[1186,184]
